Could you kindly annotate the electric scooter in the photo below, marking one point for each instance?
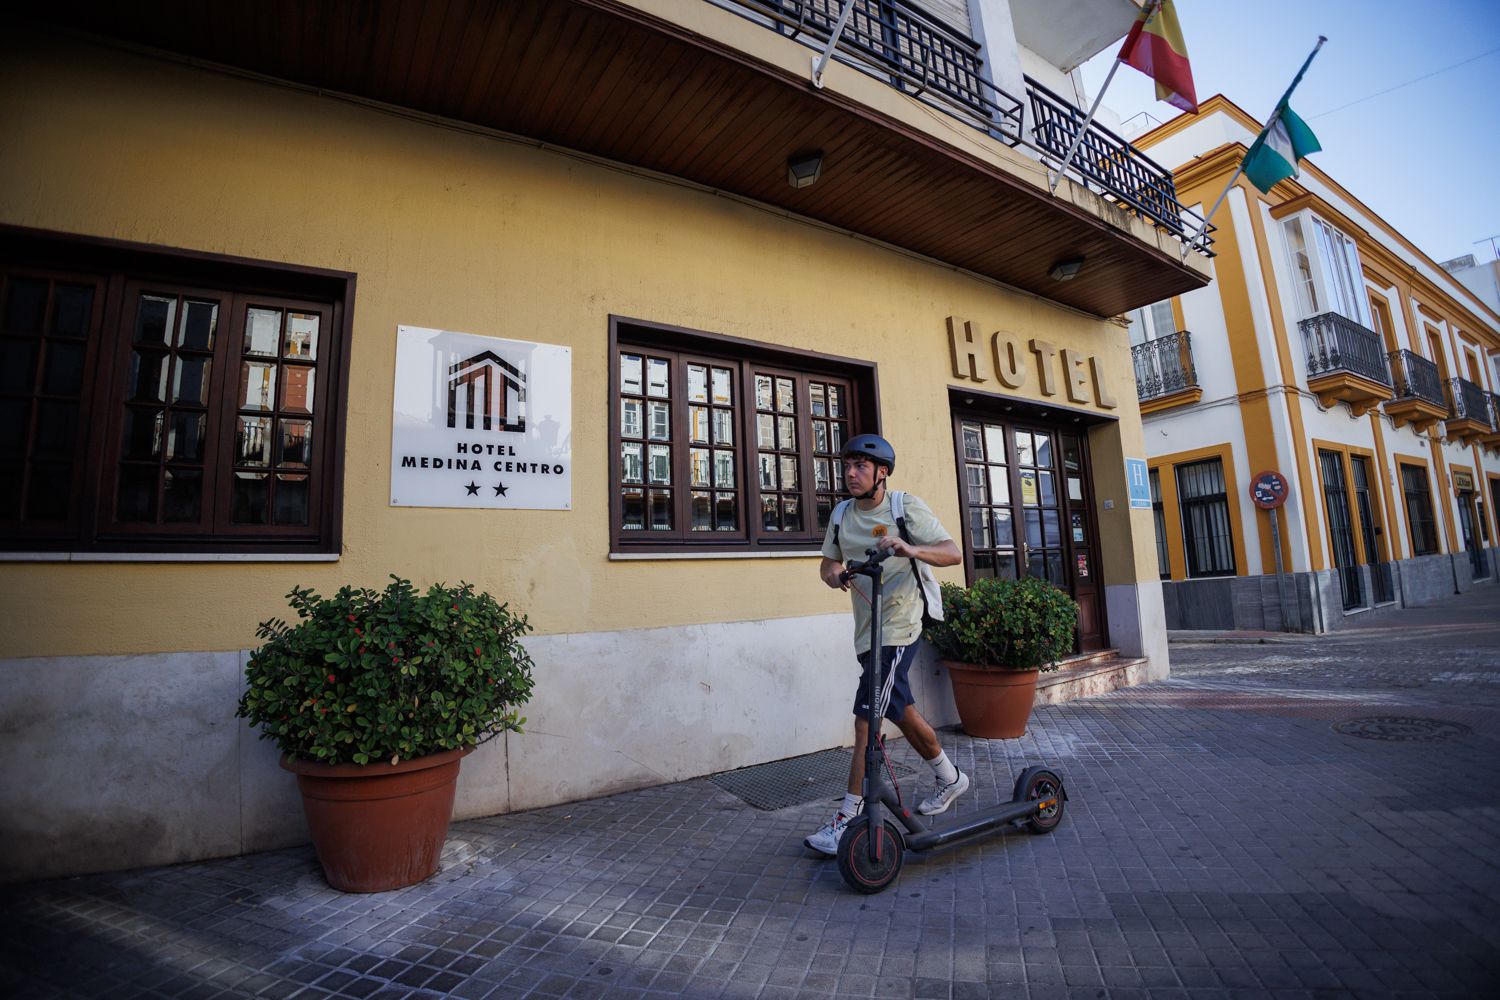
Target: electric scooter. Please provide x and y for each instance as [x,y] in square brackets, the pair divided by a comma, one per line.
[872,847]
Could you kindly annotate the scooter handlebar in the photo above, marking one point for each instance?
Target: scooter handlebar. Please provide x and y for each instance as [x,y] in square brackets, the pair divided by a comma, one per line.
[870,566]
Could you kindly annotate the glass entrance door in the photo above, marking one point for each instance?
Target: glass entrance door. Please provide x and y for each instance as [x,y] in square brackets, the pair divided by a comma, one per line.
[1340,528]
[1026,512]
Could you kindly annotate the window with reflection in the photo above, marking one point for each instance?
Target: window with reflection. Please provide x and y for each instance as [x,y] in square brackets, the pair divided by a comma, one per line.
[155,416]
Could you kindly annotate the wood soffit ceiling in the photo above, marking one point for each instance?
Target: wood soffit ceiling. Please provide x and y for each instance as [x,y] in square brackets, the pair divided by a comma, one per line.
[606,80]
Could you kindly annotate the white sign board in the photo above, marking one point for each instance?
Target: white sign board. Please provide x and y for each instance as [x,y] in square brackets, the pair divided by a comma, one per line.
[481,422]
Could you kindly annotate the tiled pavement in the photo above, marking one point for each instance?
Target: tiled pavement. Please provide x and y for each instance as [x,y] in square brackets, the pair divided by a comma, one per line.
[1222,839]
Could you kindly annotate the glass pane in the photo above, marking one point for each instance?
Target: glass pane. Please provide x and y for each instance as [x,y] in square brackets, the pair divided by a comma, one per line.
[789,472]
[723,393]
[836,401]
[1051,529]
[200,321]
[786,432]
[999,484]
[1049,491]
[819,399]
[297,386]
[25,306]
[148,376]
[296,443]
[292,499]
[1078,528]
[631,464]
[973,444]
[1005,565]
[791,510]
[257,386]
[1005,532]
[994,444]
[763,392]
[726,512]
[661,510]
[632,510]
[769,513]
[64,368]
[765,430]
[190,380]
[250,503]
[14,427]
[837,444]
[252,441]
[786,397]
[71,309]
[185,440]
[49,492]
[697,421]
[979,528]
[137,493]
[630,418]
[1036,565]
[984,564]
[702,511]
[976,476]
[660,420]
[724,469]
[820,436]
[154,319]
[1033,529]
[1075,488]
[143,433]
[1072,460]
[697,384]
[825,512]
[1043,450]
[767,471]
[723,427]
[1055,567]
[262,332]
[1029,495]
[656,377]
[18,365]
[630,373]
[56,429]
[182,496]
[301,343]
[661,464]
[838,477]
[822,475]
[1024,453]
[699,462]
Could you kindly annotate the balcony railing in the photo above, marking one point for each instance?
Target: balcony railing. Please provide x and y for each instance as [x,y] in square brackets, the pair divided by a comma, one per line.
[897,41]
[1495,411]
[1164,366]
[1470,402]
[1117,169]
[1338,344]
[1414,377]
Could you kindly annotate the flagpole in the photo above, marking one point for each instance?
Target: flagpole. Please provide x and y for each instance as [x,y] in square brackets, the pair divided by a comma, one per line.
[1098,99]
[1270,123]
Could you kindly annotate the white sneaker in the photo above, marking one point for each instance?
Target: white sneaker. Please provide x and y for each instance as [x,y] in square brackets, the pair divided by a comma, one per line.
[944,797]
[826,840]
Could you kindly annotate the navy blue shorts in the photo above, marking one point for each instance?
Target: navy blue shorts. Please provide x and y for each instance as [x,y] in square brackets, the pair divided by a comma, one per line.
[896,696]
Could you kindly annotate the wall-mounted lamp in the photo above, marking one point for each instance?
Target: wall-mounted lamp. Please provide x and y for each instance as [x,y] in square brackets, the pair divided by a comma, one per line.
[804,169]
[1066,270]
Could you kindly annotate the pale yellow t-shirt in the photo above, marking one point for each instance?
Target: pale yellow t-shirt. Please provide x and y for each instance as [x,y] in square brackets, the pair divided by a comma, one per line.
[902,599]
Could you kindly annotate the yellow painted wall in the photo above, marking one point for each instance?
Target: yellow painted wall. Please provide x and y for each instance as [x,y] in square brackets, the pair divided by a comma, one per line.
[448,228]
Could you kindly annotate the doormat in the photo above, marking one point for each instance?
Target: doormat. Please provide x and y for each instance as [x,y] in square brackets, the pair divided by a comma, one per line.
[791,782]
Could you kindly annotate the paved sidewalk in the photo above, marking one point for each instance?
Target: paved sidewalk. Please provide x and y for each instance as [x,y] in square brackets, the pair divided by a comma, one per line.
[1224,838]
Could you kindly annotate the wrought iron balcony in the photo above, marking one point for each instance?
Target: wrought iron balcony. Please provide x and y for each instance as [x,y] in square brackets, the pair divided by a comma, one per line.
[1111,166]
[1419,398]
[1492,439]
[1470,403]
[1164,368]
[1345,362]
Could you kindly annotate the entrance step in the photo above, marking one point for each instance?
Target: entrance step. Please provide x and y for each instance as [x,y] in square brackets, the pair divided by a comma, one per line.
[1089,674]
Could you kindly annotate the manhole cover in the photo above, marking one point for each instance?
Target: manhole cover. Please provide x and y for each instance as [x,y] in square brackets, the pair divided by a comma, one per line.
[1401,729]
[791,782]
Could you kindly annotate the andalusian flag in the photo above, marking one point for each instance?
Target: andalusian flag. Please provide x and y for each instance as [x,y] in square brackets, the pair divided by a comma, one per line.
[1285,140]
[1155,47]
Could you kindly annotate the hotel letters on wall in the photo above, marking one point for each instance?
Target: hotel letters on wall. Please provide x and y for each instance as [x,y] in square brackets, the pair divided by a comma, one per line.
[481,422]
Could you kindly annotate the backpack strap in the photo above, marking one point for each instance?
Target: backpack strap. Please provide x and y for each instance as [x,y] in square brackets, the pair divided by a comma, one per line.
[927,585]
[837,516]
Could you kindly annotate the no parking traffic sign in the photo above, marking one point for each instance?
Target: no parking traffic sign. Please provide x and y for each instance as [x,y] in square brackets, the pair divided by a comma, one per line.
[1269,490]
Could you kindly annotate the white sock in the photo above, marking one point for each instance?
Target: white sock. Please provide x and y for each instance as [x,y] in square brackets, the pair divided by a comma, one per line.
[946,773]
[852,805]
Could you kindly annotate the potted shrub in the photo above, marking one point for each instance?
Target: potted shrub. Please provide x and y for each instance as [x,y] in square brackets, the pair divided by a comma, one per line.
[995,637]
[373,697]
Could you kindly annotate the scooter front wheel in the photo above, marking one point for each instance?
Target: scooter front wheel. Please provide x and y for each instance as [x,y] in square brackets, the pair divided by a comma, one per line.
[1040,783]
[863,874]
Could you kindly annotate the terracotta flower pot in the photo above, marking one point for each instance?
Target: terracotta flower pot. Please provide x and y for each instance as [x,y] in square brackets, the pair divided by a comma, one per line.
[993,703]
[378,826]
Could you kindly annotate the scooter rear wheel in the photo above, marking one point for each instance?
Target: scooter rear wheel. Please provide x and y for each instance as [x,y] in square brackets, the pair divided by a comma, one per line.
[1040,783]
[862,874]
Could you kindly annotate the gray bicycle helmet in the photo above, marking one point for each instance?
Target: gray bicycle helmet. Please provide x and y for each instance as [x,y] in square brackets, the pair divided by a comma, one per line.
[872,446]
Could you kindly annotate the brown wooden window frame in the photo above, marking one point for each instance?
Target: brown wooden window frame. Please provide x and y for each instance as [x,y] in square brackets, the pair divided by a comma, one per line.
[121,273]
[745,358]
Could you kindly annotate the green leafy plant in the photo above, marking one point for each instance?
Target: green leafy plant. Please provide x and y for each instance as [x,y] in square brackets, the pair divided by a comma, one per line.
[369,675]
[1006,624]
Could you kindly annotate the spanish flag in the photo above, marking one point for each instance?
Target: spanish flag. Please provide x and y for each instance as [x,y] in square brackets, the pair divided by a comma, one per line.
[1155,47]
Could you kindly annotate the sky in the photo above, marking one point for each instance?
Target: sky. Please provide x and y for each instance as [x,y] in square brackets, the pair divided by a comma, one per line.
[1404,98]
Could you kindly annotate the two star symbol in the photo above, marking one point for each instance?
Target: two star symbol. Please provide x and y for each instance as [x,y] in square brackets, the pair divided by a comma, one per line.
[500,489]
